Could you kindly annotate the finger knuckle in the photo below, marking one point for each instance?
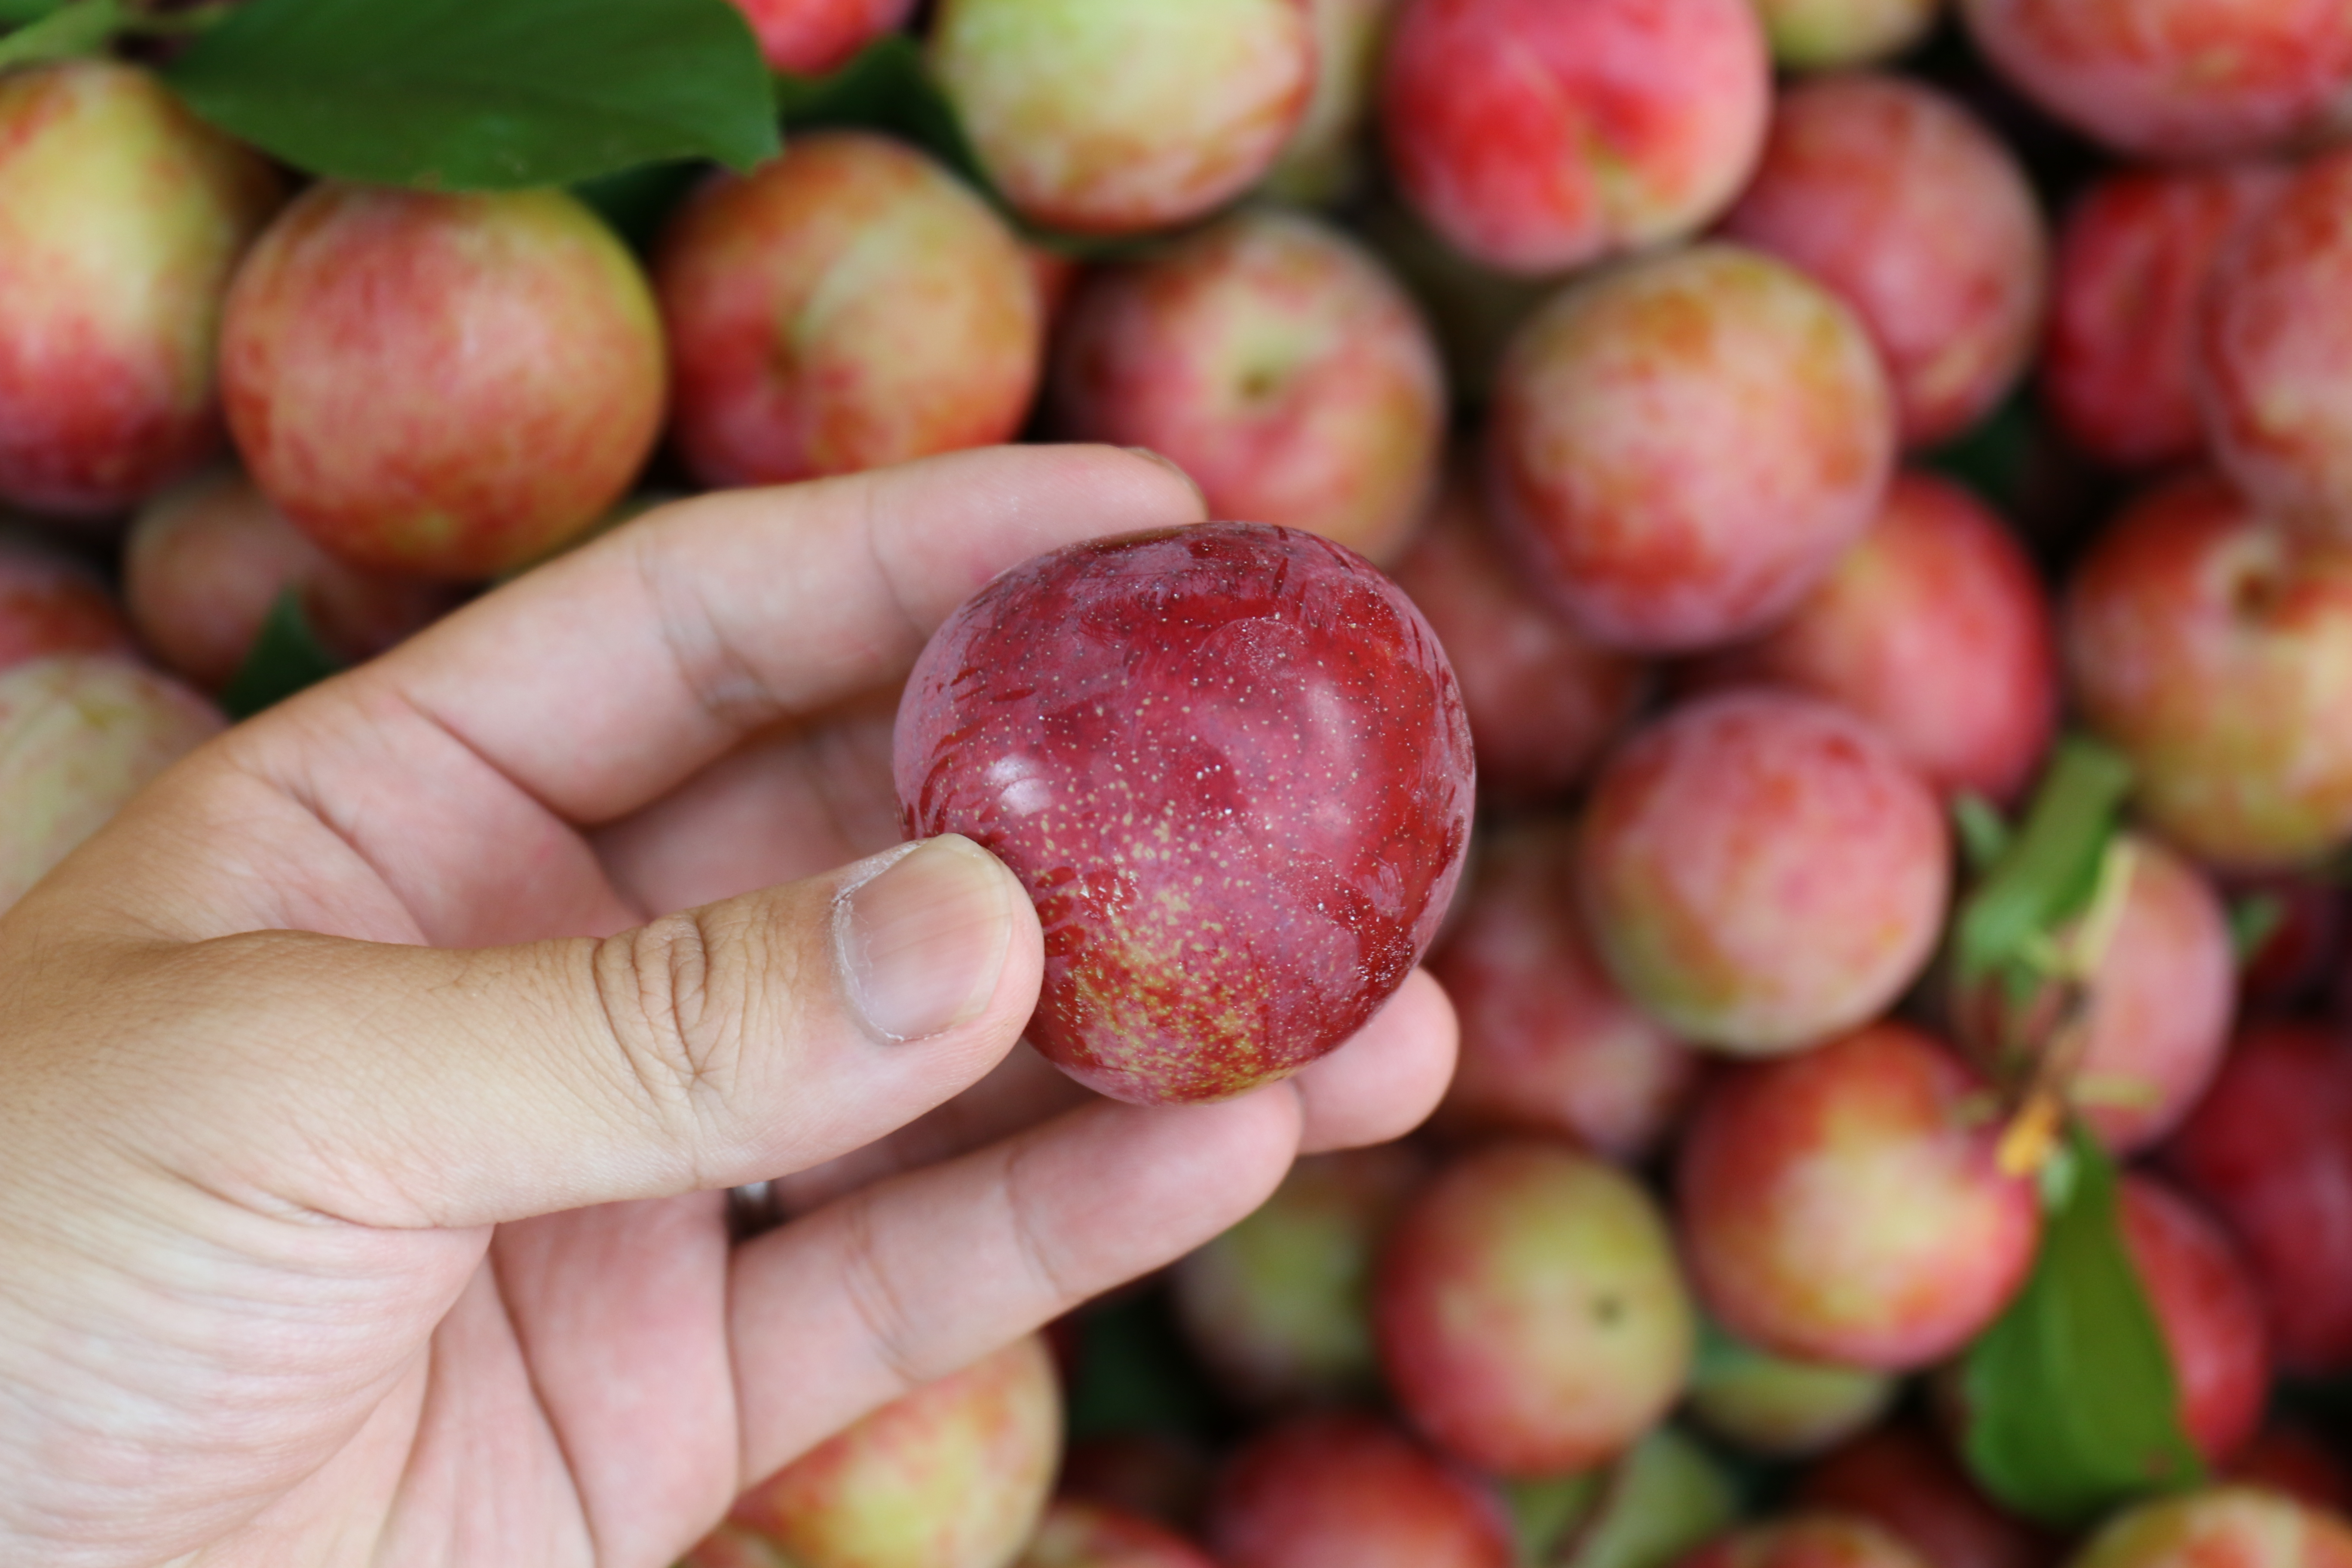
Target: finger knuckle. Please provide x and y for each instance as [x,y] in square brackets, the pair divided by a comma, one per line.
[676,1007]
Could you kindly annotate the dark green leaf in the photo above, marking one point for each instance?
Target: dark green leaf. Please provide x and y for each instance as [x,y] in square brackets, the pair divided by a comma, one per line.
[285,658]
[17,13]
[83,29]
[484,94]
[1994,458]
[637,202]
[2050,868]
[1134,1373]
[2253,920]
[1660,1497]
[1544,1511]
[2071,1401]
[1983,831]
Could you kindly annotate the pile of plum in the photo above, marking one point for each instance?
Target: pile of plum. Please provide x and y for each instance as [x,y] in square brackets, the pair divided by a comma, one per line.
[1869,481]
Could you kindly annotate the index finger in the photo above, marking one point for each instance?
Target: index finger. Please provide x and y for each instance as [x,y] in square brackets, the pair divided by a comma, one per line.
[602,680]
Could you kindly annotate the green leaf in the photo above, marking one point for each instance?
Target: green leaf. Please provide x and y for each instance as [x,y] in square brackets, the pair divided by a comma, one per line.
[83,29]
[286,657]
[1134,1372]
[1983,831]
[17,13]
[2254,921]
[1544,1511]
[1995,457]
[637,202]
[2050,866]
[1663,1496]
[484,94]
[2071,1402]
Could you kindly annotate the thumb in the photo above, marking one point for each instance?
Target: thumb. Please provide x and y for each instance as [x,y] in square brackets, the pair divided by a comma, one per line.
[413,1086]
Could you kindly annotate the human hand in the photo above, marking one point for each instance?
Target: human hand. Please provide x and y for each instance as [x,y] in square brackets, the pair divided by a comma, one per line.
[365,1120]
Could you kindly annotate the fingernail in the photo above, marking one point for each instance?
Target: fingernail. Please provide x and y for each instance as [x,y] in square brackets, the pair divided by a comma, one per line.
[921,935]
[1175,467]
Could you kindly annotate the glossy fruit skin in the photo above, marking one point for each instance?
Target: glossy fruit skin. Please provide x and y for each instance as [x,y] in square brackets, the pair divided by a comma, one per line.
[1076,1535]
[51,604]
[1781,1407]
[1538,137]
[2135,255]
[1918,215]
[1231,765]
[1936,629]
[1279,1306]
[2214,647]
[2275,350]
[80,735]
[2209,1310]
[1807,1541]
[2176,80]
[2237,1525]
[1343,1491]
[2265,1151]
[1650,541]
[953,1475]
[1758,871]
[1120,116]
[1843,1204]
[1823,35]
[2162,997]
[1276,362]
[122,218]
[1901,1475]
[1549,1045]
[1532,1319]
[1543,699]
[810,37]
[207,559]
[446,385]
[847,305]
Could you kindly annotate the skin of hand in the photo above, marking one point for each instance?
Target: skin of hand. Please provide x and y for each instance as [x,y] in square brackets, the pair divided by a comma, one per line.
[365,1116]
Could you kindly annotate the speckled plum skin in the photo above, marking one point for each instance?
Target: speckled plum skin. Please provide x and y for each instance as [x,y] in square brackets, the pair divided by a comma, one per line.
[1935,627]
[121,217]
[810,37]
[2213,645]
[207,559]
[1843,1204]
[1121,116]
[2274,350]
[444,384]
[1231,765]
[1543,699]
[2174,78]
[1901,1475]
[1538,137]
[1807,1541]
[1276,362]
[2209,1309]
[1760,871]
[1680,448]
[1822,34]
[1279,1306]
[846,306]
[953,1475]
[2237,1525]
[1532,1318]
[1549,1045]
[52,603]
[1077,1534]
[2161,1000]
[1343,1491]
[2118,364]
[1918,215]
[2265,1151]
[80,735]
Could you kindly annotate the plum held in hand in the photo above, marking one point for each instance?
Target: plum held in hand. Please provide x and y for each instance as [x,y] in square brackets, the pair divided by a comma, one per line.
[1231,765]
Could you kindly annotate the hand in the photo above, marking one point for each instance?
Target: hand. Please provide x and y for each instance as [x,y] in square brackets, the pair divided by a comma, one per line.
[364,1120]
